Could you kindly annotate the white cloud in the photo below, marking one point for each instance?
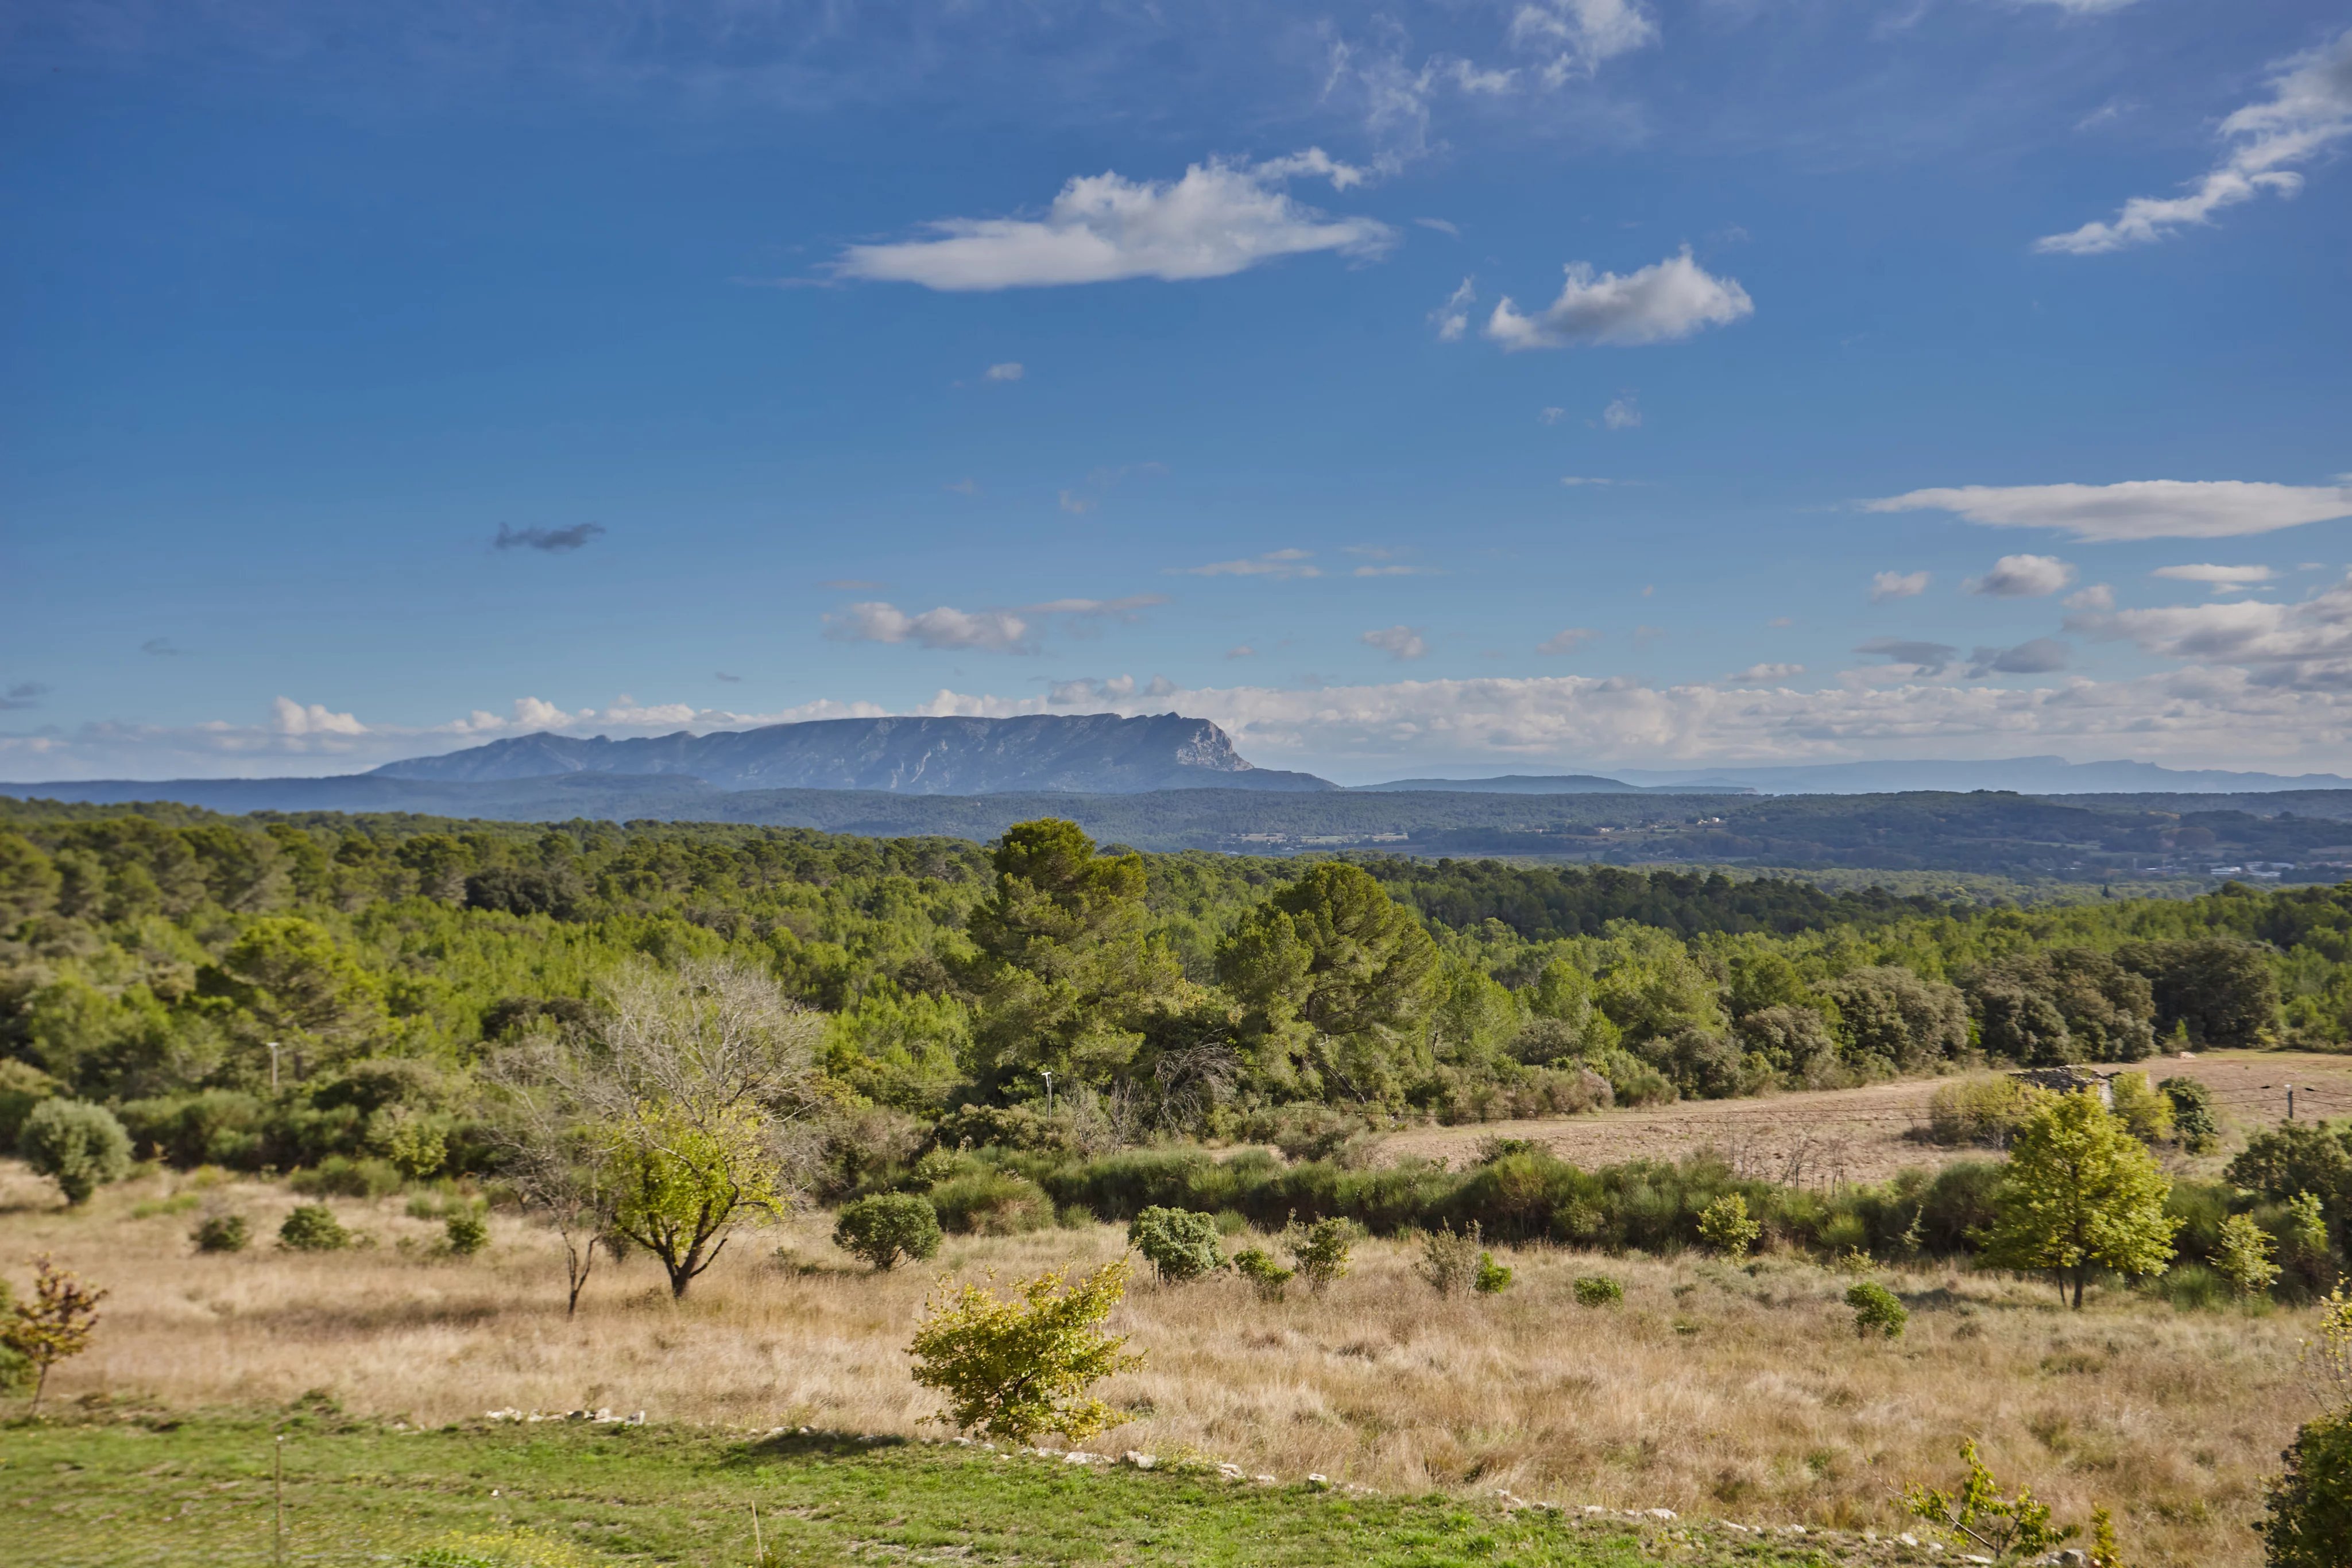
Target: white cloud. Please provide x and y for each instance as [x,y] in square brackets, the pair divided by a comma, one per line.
[1244,651]
[1280,565]
[1567,640]
[2220,579]
[1452,318]
[2136,508]
[1115,689]
[1665,300]
[2098,596]
[1441,225]
[1574,481]
[1623,414]
[991,631]
[1397,642]
[984,630]
[1220,218]
[2022,577]
[2307,644]
[1552,416]
[293,718]
[2309,108]
[1010,370]
[1886,585]
[1753,672]
[1578,35]
[2038,657]
[963,487]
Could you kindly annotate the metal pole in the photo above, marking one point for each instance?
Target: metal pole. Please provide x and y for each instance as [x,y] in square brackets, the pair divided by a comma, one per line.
[2289,1101]
[278,1494]
[758,1549]
[1049,1091]
[273,1067]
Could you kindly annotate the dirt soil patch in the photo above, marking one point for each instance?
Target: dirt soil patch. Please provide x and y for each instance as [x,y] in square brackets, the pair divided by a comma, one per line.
[1830,1136]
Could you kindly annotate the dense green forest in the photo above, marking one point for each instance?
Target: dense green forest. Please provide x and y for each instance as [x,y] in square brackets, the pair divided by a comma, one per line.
[2099,838]
[152,957]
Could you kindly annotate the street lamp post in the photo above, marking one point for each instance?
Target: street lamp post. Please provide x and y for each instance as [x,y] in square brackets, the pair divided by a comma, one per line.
[273,1067]
[1049,1091]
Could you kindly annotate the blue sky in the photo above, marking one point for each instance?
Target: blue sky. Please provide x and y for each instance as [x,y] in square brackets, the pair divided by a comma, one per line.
[1461,388]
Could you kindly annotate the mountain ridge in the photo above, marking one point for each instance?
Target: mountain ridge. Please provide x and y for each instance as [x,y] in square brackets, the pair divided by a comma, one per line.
[1080,754]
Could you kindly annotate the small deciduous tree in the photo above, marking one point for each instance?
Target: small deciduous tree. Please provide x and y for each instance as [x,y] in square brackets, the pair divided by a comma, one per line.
[1012,1368]
[1723,1225]
[887,1227]
[1492,1278]
[1180,1244]
[80,1147]
[2080,1194]
[2243,1256]
[55,1326]
[2006,1527]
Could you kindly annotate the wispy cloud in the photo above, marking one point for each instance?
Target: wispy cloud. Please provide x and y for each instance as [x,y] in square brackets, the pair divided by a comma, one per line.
[552,541]
[2220,579]
[1755,673]
[1219,219]
[1452,319]
[1398,641]
[1623,414]
[1926,658]
[723,676]
[1010,370]
[2022,577]
[1888,585]
[1013,631]
[23,694]
[2039,657]
[1567,641]
[1577,36]
[2309,109]
[1660,303]
[2136,508]
[159,648]
[1280,565]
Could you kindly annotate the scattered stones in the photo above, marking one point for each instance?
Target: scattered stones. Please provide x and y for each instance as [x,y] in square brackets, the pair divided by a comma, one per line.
[1669,1514]
[1320,1483]
[1266,1480]
[1140,1460]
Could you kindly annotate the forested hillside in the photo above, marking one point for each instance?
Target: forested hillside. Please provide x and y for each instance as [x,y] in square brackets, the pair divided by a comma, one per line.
[152,957]
[2120,837]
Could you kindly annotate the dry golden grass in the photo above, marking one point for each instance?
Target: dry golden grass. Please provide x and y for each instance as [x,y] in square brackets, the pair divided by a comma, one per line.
[1866,1134]
[1712,1391]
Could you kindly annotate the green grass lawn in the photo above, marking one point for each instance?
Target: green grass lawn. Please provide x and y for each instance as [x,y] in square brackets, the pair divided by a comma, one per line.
[158,1490]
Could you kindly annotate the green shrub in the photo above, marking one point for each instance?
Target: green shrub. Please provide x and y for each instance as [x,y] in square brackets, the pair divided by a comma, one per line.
[80,1147]
[2194,1288]
[2193,1121]
[1725,1226]
[1320,1251]
[1269,1277]
[1013,1368]
[2309,1520]
[992,1203]
[887,1227]
[1876,1310]
[2243,1257]
[16,1367]
[467,1234]
[313,1227]
[221,1233]
[1492,1278]
[339,1176]
[1180,1244]
[22,1087]
[1981,1109]
[2145,1113]
[1598,1291]
[1450,1258]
